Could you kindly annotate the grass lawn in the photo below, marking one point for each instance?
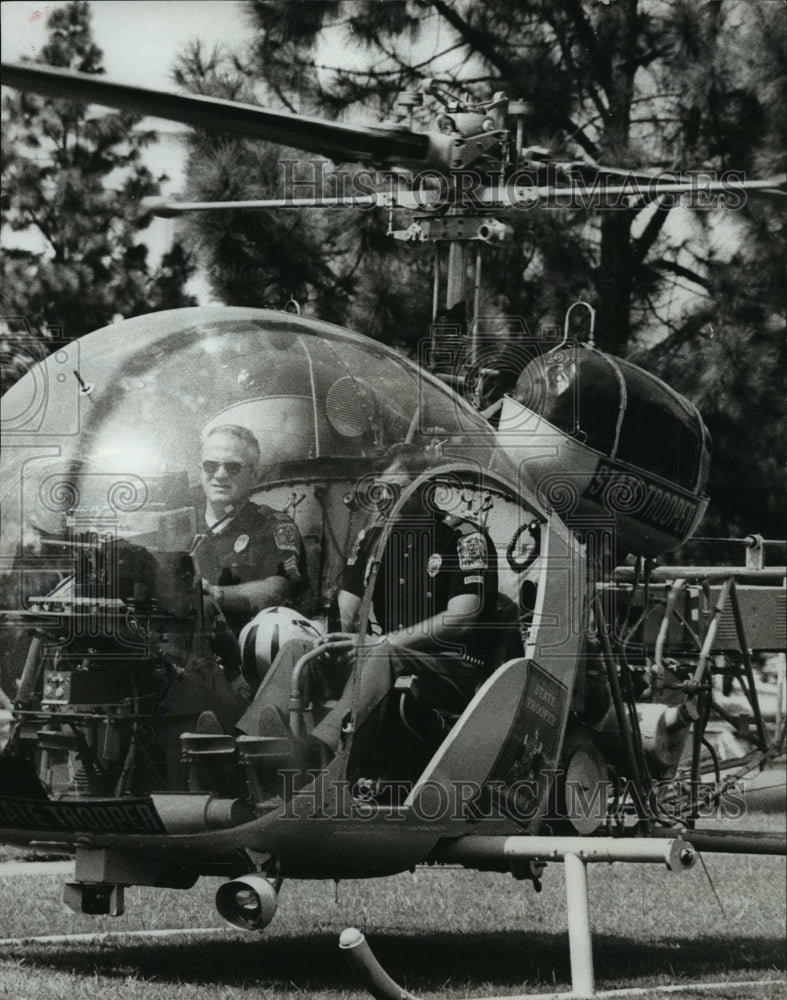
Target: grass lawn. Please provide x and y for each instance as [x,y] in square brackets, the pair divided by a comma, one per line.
[440,933]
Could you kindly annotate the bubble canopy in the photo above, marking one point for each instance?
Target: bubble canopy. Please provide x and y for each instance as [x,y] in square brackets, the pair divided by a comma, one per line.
[114,420]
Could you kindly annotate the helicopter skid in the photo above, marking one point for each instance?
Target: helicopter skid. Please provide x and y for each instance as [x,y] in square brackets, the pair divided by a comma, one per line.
[576,853]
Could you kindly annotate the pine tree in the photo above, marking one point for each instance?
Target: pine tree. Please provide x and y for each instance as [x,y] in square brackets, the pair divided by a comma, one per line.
[339,264]
[670,85]
[72,179]
[630,83]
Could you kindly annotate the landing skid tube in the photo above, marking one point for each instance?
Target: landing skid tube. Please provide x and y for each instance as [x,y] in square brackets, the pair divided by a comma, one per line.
[575,853]
[382,987]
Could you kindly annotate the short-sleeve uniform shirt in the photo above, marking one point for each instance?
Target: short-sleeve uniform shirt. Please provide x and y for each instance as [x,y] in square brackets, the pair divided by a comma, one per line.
[426,562]
[258,542]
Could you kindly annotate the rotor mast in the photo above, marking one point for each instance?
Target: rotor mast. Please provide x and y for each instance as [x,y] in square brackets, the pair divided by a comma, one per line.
[480,151]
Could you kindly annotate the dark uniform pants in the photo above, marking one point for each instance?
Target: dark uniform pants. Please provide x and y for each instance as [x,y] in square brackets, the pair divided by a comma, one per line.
[445,682]
[276,686]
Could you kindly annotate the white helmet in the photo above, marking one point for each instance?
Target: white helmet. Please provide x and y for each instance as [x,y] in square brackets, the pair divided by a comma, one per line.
[263,637]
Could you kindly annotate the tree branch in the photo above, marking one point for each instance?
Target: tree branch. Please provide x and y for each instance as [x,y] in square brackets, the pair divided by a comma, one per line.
[485,47]
[385,72]
[587,37]
[568,56]
[683,272]
[284,99]
[661,319]
[477,39]
[41,228]
[688,329]
[649,234]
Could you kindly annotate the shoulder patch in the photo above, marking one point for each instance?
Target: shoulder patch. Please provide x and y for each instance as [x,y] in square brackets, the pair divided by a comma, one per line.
[286,536]
[472,552]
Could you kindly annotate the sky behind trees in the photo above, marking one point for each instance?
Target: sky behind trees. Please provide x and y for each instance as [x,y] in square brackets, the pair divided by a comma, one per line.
[126,28]
[123,29]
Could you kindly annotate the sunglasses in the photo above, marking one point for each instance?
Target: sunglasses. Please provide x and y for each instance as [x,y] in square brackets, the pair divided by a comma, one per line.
[232,469]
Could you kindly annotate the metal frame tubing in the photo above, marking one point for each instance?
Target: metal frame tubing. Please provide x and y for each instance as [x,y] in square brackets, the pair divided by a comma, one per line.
[580,938]
[296,706]
[576,853]
[704,701]
[363,962]
[711,574]
[621,713]
[762,732]
[675,853]
[661,638]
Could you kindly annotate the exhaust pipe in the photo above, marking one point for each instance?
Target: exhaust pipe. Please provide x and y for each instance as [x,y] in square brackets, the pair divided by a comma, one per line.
[248,903]
[494,231]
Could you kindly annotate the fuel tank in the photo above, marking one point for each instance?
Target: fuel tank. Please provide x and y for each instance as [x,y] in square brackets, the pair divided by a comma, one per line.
[605,442]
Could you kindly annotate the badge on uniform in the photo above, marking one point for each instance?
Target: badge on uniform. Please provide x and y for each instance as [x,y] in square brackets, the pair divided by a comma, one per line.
[472,552]
[286,536]
[434,564]
[241,542]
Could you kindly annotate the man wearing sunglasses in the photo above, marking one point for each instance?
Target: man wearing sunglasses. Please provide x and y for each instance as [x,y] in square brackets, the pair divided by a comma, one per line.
[250,556]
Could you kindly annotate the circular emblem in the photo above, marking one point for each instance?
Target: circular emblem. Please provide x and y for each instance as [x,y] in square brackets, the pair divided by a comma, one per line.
[434,564]
[241,542]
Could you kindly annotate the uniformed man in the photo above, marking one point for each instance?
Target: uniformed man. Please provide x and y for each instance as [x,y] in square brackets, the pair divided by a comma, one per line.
[250,556]
[437,579]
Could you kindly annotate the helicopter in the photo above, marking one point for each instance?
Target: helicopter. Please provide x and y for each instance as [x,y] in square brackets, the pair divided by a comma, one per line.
[580,458]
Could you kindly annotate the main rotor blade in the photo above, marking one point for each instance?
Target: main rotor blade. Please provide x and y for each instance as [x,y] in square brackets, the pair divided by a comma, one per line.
[167,208]
[484,199]
[313,135]
[526,196]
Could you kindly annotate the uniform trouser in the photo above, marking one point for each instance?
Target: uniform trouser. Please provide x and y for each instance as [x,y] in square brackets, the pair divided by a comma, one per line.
[203,686]
[275,687]
[444,682]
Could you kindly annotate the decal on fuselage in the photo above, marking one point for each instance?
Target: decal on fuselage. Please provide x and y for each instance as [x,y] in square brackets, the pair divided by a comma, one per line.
[526,764]
[121,816]
[657,505]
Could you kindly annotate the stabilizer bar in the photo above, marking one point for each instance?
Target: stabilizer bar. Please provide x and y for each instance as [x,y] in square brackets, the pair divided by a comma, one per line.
[675,853]
[575,853]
